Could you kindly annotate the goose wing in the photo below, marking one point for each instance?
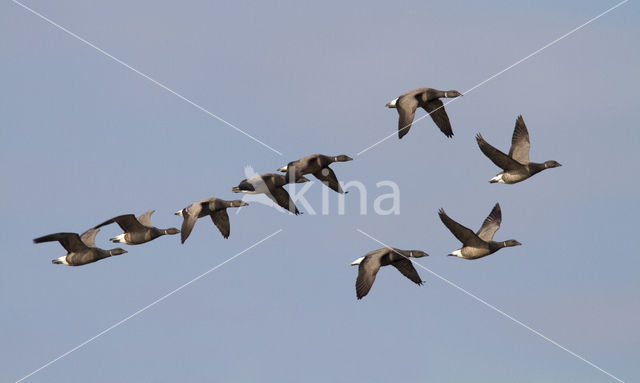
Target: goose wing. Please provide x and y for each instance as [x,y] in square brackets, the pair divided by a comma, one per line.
[282,198]
[89,237]
[328,177]
[406,106]
[70,241]
[435,108]
[491,224]
[367,271]
[520,142]
[501,160]
[145,219]
[464,235]
[220,218]
[406,268]
[127,222]
[189,216]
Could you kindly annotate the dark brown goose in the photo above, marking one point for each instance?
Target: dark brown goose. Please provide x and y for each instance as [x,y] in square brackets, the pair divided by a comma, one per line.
[270,184]
[480,244]
[516,165]
[80,249]
[137,230]
[429,100]
[216,208]
[369,265]
[318,165]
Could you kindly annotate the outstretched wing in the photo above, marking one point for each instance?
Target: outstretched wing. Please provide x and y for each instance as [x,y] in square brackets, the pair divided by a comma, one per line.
[520,142]
[497,157]
[145,218]
[89,237]
[328,177]
[367,271]
[282,198]
[435,108]
[406,106]
[190,216]
[406,268]
[70,241]
[221,219]
[491,224]
[464,235]
[127,222]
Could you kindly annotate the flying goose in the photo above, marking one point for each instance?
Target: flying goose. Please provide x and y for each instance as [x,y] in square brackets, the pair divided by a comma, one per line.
[216,208]
[369,265]
[318,165]
[429,100]
[516,165]
[480,244]
[137,230]
[80,249]
[270,184]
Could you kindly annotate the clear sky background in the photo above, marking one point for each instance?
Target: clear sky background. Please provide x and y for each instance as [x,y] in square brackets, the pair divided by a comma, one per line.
[83,139]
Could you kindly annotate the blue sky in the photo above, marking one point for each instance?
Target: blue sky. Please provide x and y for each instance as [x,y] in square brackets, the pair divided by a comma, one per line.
[83,139]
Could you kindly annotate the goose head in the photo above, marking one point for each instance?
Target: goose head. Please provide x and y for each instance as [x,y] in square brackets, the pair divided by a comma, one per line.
[551,164]
[342,158]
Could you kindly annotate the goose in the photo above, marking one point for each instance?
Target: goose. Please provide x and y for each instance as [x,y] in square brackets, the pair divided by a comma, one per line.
[516,165]
[81,250]
[429,100]
[369,265]
[270,184]
[480,244]
[137,230]
[216,208]
[318,165]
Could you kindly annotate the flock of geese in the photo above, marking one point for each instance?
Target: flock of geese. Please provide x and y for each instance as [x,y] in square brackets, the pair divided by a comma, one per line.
[516,167]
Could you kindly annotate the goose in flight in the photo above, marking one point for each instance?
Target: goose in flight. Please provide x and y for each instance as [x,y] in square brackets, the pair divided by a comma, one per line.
[270,184]
[137,230]
[516,166]
[429,100]
[216,208]
[369,265]
[480,244]
[318,165]
[81,250]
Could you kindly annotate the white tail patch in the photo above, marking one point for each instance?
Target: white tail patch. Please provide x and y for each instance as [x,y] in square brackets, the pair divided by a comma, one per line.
[63,260]
[497,178]
[357,261]
[457,253]
[119,239]
[392,103]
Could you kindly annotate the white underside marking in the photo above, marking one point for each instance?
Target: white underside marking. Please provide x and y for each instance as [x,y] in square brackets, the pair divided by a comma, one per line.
[357,261]
[63,260]
[457,253]
[392,104]
[498,178]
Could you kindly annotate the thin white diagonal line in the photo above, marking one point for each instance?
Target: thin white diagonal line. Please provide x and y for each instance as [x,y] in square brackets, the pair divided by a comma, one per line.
[502,71]
[145,308]
[145,76]
[498,310]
